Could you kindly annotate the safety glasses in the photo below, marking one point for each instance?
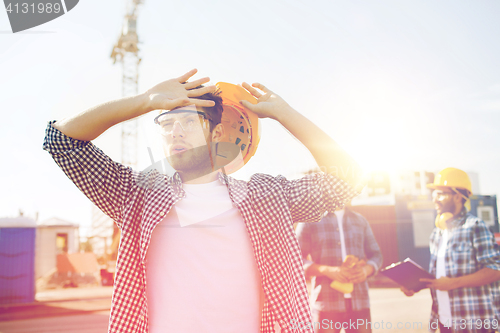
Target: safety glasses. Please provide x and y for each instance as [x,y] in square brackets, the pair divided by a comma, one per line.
[189,120]
[439,195]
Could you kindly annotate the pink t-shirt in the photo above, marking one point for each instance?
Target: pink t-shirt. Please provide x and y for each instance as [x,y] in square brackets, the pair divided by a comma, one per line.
[202,276]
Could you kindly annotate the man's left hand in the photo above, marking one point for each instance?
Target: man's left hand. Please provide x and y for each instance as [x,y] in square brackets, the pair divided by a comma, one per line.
[360,272]
[269,105]
[358,275]
[444,283]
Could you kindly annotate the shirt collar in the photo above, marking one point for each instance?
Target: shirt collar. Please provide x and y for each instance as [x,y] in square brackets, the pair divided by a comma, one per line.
[459,219]
[176,183]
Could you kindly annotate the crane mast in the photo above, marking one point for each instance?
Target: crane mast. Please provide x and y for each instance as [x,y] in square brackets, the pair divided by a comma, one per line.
[126,52]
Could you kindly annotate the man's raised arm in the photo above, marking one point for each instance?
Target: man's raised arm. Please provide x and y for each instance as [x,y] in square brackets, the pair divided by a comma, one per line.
[329,156]
[167,95]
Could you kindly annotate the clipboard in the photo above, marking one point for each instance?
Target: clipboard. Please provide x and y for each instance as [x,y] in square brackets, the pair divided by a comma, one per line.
[407,274]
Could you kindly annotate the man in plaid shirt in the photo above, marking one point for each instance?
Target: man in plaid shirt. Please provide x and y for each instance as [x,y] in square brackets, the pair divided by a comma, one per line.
[328,242]
[199,250]
[465,260]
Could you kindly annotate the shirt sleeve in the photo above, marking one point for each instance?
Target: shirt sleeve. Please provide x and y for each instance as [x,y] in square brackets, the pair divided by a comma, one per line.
[313,195]
[105,182]
[304,238]
[487,250]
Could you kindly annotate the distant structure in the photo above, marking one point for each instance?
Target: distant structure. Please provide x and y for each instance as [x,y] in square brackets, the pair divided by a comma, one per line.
[401,212]
[101,232]
[105,234]
[382,187]
[54,236]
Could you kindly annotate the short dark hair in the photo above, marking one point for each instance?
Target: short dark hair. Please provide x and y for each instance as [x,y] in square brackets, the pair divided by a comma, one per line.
[214,112]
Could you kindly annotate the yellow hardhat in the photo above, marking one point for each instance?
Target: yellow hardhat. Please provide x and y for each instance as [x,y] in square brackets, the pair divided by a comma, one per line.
[241,127]
[454,178]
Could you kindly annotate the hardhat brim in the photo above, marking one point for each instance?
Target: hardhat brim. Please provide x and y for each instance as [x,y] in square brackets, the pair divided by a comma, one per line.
[437,187]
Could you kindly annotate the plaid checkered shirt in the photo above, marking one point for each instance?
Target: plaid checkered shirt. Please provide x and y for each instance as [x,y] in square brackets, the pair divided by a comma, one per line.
[471,247]
[322,241]
[138,201]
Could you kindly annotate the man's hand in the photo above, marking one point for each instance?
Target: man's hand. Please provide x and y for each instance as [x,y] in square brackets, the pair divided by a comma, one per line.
[178,92]
[269,105]
[336,273]
[360,272]
[407,292]
[444,283]
[167,95]
[328,154]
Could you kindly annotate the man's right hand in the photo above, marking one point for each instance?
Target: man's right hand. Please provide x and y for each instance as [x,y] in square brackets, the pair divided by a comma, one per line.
[174,93]
[167,95]
[407,292]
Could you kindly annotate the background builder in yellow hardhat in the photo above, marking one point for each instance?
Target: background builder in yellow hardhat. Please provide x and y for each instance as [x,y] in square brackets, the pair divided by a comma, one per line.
[452,190]
[465,260]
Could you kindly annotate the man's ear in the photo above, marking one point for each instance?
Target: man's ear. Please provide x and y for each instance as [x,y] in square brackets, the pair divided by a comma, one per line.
[457,198]
[218,133]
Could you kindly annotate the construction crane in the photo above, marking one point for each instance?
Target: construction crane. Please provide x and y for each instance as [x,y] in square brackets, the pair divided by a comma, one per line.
[126,52]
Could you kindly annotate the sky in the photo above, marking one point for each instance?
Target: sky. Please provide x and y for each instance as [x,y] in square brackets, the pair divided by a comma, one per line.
[400,85]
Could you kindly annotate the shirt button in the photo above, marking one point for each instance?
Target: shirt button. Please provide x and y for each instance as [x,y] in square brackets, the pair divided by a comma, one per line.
[142,317]
[162,213]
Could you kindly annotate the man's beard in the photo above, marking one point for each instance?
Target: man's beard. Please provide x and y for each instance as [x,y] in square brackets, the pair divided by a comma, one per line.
[203,160]
[449,207]
[195,161]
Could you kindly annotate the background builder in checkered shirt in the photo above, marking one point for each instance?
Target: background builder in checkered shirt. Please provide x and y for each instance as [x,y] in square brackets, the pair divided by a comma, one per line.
[199,250]
[328,242]
[465,260]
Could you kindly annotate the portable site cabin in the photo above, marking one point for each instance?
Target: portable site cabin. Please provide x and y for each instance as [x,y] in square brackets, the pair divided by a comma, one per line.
[17,260]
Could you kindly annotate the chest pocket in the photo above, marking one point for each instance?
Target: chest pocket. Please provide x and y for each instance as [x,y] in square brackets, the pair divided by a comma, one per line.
[461,252]
[354,238]
[328,247]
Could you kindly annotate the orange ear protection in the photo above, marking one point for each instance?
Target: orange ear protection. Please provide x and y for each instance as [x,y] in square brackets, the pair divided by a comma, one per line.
[241,128]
